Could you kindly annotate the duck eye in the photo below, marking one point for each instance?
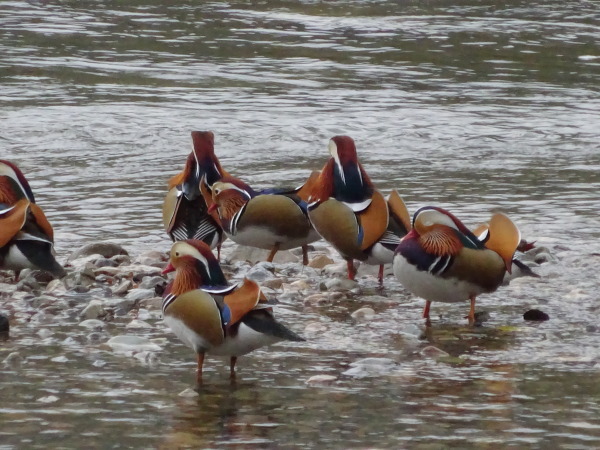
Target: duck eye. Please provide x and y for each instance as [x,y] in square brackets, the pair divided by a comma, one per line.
[176,253]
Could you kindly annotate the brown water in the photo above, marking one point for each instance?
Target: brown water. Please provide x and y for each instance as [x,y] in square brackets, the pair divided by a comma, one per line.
[471,106]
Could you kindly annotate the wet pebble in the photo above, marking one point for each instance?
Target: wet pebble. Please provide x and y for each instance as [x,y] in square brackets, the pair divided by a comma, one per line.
[136,295]
[370,367]
[93,324]
[123,287]
[152,304]
[321,380]
[320,261]
[126,343]
[13,360]
[60,359]
[260,273]
[135,323]
[93,310]
[44,333]
[536,315]
[363,314]
[151,282]
[299,285]
[433,352]
[48,399]
[4,324]
[317,300]
[315,327]
[275,283]
[188,392]
[340,284]
[105,249]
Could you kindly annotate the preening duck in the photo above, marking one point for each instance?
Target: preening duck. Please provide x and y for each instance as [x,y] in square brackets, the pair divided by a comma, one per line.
[185,212]
[26,236]
[349,213]
[441,260]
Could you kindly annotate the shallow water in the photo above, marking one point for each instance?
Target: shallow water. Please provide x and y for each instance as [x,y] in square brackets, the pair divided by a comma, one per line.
[473,107]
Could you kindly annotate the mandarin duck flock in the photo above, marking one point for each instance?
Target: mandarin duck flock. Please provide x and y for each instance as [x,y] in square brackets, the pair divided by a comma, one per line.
[434,256]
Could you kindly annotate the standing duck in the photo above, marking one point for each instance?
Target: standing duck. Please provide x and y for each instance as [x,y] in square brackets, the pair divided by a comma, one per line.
[441,260]
[26,236]
[349,213]
[209,315]
[269,220]
[185,214]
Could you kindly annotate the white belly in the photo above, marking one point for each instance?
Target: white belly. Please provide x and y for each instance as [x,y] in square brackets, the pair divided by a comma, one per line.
[431,287]
[380,255]
[15,260]
[244,342]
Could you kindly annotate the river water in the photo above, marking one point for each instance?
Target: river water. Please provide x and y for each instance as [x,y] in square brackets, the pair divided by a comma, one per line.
[473,106]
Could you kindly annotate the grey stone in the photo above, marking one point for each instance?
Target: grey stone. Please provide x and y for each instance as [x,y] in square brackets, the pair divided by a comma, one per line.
[433,352]
[122,288]
[93,310]
[140,294]
[150,282]
[93,324]
[363,314]
[129,343]
[340,284]
[106,249]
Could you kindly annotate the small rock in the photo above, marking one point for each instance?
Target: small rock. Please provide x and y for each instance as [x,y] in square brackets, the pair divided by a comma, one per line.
[536,315]
[4,325]
[123,287]
[9,288]
[127,343]
[340,284]
[275,283]
[259,274]
[106,249]
[315,327]
[135,323]
[189,393]
[151,282]
[56,287]
[92,324]
[139,294]
[320,261]
[363,314]
[60,359]
[155,256]
[13,360]
[151,304]
[299,285]
[255,255]
[105,262]
[433,352]
[370,367]
[48,399]
[44,333]
[93,310]
[122,260]
[317,300]
[321,380]
[339,269]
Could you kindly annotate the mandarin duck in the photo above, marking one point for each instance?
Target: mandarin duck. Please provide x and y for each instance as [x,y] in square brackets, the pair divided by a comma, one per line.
[26,236]
[441,260]
[349,213]
[272,220]
[211,316]
[185,214]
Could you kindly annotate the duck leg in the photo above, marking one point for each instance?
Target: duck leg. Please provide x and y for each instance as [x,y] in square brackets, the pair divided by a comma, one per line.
[199,369]
[219,252]
[471,315]
[426,312]
[351,271]
[232,368]
[274,250]
[380,276]
[305,255]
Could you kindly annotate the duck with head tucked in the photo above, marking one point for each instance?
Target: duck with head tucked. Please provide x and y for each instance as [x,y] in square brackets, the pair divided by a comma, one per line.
[273,220]
[349,213]
[211,316]
[26,236]
[185,212]
[441,260]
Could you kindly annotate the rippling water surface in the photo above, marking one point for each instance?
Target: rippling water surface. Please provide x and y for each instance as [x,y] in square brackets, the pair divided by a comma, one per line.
[473,106]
